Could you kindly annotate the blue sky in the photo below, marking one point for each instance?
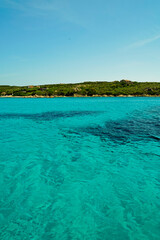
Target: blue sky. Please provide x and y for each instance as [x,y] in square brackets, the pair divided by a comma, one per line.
[60,41]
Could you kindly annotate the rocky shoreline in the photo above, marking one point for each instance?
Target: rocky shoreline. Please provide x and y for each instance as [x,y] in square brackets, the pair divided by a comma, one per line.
[76,96]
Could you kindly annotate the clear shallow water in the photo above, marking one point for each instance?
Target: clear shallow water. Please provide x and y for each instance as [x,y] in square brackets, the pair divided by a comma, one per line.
[80,168]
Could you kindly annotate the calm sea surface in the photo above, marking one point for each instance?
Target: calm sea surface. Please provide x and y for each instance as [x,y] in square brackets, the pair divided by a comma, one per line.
[80,169]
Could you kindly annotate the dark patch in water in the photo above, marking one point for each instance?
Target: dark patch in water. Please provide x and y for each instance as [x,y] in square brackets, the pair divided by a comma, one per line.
[137,128]
[47,116]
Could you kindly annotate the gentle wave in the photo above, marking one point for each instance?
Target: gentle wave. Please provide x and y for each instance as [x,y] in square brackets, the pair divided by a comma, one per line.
[91,173]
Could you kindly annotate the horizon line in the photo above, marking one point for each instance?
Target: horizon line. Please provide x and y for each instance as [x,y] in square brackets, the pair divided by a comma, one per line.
[34,85]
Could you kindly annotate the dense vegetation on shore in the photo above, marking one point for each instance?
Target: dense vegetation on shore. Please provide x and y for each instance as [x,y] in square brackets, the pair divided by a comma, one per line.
[116,88]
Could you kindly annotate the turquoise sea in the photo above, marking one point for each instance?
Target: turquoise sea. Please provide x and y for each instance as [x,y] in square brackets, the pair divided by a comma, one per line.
[80,169]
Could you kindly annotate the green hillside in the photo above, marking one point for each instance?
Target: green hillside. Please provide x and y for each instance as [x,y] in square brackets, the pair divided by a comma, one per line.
[116,88]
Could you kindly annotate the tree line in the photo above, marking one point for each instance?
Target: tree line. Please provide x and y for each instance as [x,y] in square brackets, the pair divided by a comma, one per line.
[115,88]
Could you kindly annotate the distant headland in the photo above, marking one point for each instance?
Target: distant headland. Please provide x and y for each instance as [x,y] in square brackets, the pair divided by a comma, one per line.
[123,88]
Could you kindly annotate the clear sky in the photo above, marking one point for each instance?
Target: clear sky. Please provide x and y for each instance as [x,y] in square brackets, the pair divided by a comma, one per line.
[60,41]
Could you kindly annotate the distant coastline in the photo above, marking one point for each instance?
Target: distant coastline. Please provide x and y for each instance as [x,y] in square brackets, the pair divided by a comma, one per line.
[123,88]
[94,96]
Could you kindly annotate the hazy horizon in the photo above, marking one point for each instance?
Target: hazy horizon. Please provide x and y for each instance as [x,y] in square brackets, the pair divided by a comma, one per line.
[51,42]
